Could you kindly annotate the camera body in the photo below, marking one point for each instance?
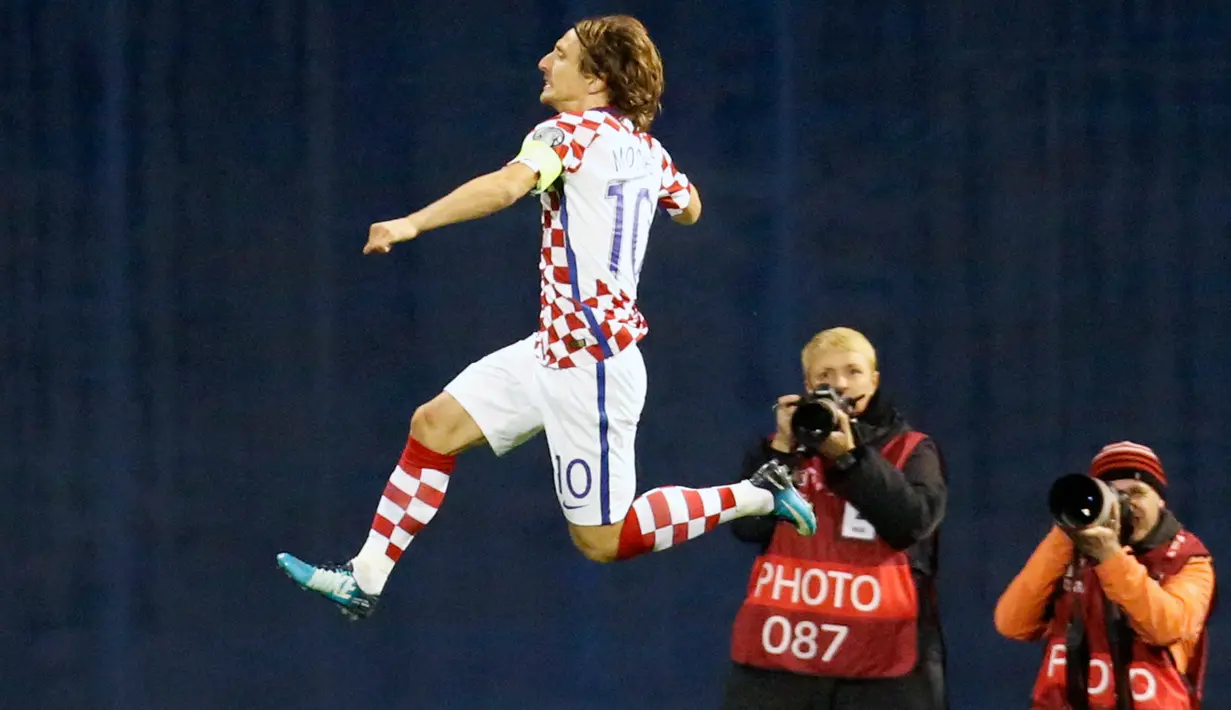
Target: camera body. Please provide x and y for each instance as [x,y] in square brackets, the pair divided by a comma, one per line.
[1078,501]
[813,420]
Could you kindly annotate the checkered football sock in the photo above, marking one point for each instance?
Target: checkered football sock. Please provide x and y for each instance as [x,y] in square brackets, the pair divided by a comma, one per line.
[410,501]
[671,515]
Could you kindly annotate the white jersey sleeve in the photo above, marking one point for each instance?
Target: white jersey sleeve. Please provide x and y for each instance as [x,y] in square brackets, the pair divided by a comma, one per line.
[674,193]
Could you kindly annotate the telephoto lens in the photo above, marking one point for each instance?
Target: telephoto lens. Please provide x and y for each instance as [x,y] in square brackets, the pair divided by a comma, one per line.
[1077,501]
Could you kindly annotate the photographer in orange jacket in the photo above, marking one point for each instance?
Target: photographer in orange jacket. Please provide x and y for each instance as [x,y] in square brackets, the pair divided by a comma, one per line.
[1118,589]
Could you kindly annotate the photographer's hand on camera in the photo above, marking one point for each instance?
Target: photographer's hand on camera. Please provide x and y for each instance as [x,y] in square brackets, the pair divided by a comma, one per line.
[784,441]
[839,442]
[1098,542]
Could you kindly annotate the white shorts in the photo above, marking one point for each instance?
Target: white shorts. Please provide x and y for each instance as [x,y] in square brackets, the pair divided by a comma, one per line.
[589,414]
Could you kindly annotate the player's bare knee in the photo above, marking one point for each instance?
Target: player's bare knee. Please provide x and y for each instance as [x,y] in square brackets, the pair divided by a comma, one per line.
[429,427]
[422,421]
[444,426]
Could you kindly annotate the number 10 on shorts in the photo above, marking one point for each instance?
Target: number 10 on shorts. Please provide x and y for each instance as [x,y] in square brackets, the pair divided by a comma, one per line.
[778,637]
[576,478]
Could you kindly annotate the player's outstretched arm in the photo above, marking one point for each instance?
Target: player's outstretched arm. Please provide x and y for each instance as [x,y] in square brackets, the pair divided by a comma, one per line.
[477,198]
[692,212]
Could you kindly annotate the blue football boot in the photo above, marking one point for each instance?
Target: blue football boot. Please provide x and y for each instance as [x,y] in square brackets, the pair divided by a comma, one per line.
[789,505]
[334,582]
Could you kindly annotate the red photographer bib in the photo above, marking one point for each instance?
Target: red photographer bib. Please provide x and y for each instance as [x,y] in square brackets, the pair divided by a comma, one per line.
[1154,681]
[840,603]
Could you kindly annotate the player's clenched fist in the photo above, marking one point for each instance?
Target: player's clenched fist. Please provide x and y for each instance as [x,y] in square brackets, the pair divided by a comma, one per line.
[383,235]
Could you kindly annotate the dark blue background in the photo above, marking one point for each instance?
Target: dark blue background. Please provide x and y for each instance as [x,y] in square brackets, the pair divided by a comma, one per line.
[1025,206]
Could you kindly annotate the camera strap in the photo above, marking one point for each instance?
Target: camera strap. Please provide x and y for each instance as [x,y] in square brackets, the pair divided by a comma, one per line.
[1120,646]
[1077,651]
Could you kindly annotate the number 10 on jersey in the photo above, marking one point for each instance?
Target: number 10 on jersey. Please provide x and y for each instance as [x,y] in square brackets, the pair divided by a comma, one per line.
[616,191]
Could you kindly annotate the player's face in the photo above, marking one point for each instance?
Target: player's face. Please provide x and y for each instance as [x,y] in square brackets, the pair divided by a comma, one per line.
[848,372]
[564,86]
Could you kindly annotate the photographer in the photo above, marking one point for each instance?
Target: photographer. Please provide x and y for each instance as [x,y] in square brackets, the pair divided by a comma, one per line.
[847,617]
[1119,591]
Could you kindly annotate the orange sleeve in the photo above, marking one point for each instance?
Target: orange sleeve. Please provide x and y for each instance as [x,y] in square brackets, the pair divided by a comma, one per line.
[1021,612]
[1168,614]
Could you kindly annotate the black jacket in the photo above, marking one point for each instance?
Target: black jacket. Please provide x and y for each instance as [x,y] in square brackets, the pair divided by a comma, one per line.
[906,508]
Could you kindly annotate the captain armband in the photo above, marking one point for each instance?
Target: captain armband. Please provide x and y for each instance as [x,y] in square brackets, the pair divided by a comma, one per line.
[540,157]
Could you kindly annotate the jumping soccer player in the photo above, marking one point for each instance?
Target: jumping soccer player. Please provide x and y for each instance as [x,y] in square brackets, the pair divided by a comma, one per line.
[580,377]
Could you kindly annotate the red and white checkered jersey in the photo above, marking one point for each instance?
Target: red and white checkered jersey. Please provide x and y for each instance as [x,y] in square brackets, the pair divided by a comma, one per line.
[596,227]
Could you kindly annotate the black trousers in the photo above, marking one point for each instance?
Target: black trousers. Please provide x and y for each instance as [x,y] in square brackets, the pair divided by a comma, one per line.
[750,688]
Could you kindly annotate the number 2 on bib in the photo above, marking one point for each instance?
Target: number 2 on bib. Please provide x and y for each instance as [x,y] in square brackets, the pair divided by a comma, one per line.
[854,527]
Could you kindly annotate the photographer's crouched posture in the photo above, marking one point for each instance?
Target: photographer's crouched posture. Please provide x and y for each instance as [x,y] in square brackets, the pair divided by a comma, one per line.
[1119,590]
[846,618]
